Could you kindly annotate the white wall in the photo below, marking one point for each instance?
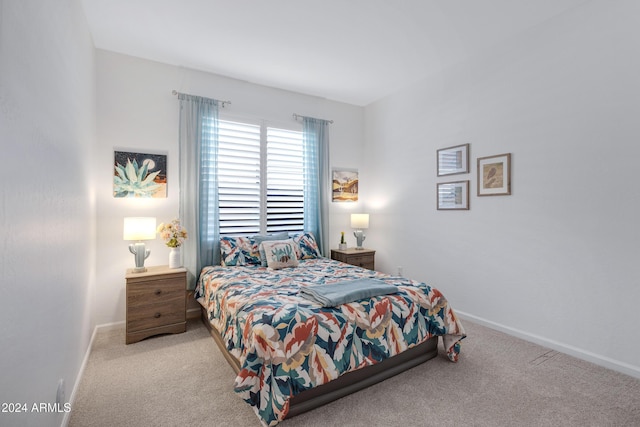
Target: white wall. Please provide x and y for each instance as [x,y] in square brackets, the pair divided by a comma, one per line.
[557,261]
[47,111]
[137,111]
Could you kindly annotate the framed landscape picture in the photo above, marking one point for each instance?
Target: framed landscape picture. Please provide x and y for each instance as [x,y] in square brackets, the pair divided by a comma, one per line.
[494,175]
[453,195]
[453,160]
[139,175]
[344,185]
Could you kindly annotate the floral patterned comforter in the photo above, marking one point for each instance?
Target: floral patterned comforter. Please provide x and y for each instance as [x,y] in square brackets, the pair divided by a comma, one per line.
[287,344]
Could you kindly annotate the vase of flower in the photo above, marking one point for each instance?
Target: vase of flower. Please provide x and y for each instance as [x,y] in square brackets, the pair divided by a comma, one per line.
[174,236]
[174,257]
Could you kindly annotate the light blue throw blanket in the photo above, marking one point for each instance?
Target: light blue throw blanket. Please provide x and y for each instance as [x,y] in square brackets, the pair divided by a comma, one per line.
[343,292]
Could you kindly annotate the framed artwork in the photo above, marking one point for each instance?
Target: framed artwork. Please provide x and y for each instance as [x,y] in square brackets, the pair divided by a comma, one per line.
[453,160]
[494,175]
[344,185]
[139,175]
[453,195]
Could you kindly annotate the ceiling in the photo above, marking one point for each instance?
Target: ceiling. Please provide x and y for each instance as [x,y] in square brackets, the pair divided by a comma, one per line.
[353,51]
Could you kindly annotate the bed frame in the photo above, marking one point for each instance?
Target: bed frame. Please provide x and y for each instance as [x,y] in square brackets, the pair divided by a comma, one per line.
[347,383]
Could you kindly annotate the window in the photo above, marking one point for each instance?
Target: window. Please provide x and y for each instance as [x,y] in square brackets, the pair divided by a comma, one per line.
[239,161]
[260,179]
[285,181]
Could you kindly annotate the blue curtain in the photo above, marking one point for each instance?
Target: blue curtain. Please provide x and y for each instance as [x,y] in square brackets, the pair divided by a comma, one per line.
[198,149]
[316,179]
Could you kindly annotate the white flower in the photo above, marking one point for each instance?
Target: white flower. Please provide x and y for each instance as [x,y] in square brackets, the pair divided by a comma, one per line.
[172,233]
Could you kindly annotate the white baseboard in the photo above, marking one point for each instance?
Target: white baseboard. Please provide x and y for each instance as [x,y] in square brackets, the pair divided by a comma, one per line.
[72,397]
[594,358]
[110,326]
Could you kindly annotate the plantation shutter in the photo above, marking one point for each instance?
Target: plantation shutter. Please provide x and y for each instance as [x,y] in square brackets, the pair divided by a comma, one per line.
[249,155]
[285,185]
[239,178]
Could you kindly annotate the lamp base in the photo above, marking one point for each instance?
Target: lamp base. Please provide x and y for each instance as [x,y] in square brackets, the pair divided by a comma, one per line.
[140,252]
[359,235]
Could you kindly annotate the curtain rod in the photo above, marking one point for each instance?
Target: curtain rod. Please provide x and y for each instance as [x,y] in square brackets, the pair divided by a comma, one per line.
[176,93]
[298,116]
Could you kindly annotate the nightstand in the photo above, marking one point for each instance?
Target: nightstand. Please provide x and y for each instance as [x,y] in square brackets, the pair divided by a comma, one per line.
[364,258]
[156,302]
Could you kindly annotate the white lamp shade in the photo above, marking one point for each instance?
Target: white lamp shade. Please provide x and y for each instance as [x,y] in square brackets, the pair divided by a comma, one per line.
[359,221]
[139,228]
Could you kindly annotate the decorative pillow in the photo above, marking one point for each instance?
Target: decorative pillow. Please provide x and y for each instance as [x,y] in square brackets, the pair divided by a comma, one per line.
[284,235]
[280,253]
[306,246]
[239,251]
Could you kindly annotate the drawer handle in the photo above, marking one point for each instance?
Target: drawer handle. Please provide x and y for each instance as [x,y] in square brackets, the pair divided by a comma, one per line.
[158,292]
[157,315]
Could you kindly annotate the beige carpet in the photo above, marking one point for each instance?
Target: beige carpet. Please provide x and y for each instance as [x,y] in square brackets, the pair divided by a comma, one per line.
[183,380]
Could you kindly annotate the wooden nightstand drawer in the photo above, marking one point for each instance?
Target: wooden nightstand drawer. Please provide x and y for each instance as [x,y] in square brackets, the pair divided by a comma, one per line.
[154,316]
[156,302]
[145,293]
[364,258]
[365,261]
[160,309]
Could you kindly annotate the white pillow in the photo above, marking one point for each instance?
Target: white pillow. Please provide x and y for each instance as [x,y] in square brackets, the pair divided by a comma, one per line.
[279,253]
[284,235]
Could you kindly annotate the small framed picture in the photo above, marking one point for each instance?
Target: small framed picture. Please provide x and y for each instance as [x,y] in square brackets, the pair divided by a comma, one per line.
[453,160]
[494,175]
[345,185]
[453,195]
[139,174]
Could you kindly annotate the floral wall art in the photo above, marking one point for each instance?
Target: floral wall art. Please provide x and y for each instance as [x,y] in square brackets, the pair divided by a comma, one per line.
[139,175]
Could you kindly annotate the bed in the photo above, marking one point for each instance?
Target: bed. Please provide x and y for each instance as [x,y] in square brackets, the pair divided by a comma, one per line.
[290,353]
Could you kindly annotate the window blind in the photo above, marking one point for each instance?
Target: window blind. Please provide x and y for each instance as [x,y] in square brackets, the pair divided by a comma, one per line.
[285,185]
[249,154]
[239,178]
